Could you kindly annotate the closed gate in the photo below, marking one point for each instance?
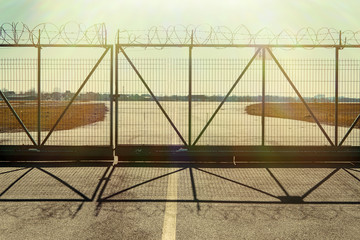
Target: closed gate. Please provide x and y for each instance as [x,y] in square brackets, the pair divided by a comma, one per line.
[255,106]
[258,108]
[57,106]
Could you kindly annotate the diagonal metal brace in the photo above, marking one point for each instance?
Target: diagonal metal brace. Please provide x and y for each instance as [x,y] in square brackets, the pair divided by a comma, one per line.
[300,97]
[227,95]
[350,129]
[17,117]
[76,94]
[152,95]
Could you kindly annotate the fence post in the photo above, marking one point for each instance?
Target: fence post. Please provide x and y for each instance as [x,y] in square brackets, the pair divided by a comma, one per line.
[39,89]
[111,97]
[337,89]
[336,93]
[116,90]
[190,85]
[263,100]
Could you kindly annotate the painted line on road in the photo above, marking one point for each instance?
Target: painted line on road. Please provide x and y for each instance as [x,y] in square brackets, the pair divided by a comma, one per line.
[169,227]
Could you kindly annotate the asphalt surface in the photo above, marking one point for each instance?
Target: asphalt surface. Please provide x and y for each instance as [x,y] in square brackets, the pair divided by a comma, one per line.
[179,203]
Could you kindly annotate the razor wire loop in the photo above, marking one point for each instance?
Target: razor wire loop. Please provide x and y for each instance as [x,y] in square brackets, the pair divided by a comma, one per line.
[14,33]
[74,33]
[68,33]
[206,34]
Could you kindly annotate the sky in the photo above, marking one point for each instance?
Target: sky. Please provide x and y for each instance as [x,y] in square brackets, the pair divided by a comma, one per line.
[275,15]
[143,14]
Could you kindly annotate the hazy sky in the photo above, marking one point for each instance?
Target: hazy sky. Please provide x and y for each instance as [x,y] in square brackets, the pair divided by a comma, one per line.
[142,14]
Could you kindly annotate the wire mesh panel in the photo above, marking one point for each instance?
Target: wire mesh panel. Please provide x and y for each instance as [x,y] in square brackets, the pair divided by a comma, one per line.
[141,120]
[231,125]
[18,83]
[349,101]
[227,99]
[87,120]
[153,102]
[288,121]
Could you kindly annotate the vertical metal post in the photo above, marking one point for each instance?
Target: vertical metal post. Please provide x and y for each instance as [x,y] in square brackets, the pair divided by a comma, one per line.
[116,90]
[39,90]
[263,100]
[190,86]
[336,93]
[111,97]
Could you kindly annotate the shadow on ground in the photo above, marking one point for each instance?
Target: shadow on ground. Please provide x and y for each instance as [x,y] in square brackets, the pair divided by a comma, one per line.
[131,201]
[50,184]
[195,184]
[234,185]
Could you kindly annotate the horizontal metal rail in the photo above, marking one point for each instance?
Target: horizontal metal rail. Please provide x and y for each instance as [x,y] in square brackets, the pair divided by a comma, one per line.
[58,45]
[142,45]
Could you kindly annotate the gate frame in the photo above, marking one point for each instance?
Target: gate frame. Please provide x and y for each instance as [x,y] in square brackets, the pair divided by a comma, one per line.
[40,152]
[188,151]
[126,152]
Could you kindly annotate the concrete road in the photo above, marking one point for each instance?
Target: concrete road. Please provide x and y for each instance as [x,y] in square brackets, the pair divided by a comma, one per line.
[179,203]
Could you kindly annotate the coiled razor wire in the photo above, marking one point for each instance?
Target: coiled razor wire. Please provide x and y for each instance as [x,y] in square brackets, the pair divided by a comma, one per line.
[223,35]
[69,33]
[74,33]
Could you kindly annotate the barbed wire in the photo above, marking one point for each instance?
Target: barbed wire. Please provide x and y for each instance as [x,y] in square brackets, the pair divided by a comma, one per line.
[74,33]
[68,33]
[206,34]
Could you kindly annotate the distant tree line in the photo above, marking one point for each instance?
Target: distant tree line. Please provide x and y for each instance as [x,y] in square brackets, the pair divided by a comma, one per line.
[91,96]
[234,98]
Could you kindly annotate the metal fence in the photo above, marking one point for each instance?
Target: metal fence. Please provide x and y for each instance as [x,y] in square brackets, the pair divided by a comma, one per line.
[287,121]
[257,102]
[260,104]
[50,105]
[60,79]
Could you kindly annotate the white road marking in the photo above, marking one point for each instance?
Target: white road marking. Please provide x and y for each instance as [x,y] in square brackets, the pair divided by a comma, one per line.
[169,227]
